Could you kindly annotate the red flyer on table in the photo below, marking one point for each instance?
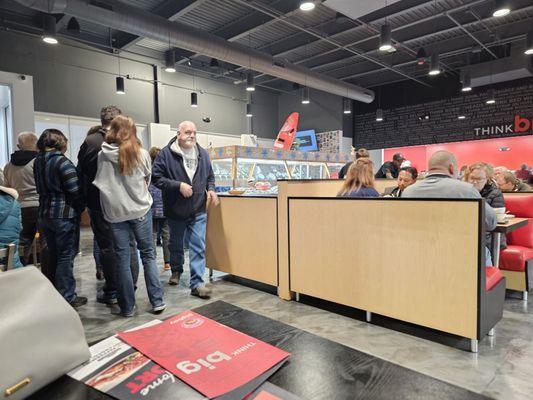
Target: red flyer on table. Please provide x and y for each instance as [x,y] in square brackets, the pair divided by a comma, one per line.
[212,358]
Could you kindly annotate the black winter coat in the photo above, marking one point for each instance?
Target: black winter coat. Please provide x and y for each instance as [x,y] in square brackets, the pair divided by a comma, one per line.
[493,197]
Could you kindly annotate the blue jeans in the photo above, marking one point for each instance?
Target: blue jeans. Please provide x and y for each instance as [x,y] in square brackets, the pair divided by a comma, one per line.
[488,258]
[96,254]
[188,233]
[142,231]
[105,255]
[61,236]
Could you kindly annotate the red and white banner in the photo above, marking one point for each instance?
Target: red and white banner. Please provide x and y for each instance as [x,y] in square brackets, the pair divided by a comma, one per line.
[212,358]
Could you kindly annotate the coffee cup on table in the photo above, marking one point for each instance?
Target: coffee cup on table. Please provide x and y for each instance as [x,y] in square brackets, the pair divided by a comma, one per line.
[499,210]
[501,218]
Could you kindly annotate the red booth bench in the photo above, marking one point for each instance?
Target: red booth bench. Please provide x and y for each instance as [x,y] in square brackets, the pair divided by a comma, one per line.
[515,258]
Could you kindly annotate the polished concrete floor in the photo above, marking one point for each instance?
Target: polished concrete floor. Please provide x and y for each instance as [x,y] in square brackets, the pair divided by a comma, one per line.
[503,368]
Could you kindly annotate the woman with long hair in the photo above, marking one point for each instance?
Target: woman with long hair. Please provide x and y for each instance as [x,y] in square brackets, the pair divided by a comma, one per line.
[124,171]
[359,180]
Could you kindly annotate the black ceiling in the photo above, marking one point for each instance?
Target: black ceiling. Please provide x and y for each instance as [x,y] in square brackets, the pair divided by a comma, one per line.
[323,40]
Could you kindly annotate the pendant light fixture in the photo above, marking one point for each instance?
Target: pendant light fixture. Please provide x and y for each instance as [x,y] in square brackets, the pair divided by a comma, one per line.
[461,115]
[120,85]
[119,81]
[347,106]
[49,33]
[434,68]
[491,98]
[501,8]
[250,87]
[466,81]
[379,111]
[170,58]
[305,95]
[194,99]
[170,61]
[307,5]
[385,38]
[529,43]
[249,110]
[305,89]
[194,95]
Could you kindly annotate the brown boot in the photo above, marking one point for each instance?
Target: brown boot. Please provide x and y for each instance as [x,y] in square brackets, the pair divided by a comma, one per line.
[201,292]
[174,279]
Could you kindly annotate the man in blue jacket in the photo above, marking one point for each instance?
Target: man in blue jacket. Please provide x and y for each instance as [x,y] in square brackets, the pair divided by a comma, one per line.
[183,173]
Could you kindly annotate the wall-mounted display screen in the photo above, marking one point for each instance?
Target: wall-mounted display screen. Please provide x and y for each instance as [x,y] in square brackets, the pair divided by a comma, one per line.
[305,141]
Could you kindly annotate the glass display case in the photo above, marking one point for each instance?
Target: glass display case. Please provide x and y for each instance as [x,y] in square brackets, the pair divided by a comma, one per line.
[256,170]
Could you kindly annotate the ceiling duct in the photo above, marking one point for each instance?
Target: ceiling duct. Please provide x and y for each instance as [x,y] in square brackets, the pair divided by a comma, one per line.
[516,66]
[142,23]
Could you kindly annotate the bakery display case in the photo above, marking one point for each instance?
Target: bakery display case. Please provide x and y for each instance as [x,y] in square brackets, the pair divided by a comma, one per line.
[257,170]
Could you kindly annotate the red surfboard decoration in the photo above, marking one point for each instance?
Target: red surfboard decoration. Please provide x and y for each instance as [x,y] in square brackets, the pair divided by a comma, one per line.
[287,132]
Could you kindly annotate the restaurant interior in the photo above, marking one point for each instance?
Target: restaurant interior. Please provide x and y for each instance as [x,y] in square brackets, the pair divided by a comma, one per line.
[360,214]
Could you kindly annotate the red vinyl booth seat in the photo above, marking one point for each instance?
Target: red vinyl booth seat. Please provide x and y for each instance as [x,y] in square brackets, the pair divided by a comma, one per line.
[519,242]
[514,258]
[493,276]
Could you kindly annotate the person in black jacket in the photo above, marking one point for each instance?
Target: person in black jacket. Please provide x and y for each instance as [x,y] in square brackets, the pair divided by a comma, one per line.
[87,167]
[184,174]
[390,169]
[480,175]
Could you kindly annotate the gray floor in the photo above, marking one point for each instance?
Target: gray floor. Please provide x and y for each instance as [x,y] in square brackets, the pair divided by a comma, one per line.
[503,368]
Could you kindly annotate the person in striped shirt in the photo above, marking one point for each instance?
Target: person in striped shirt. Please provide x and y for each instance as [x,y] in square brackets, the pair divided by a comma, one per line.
[60,206]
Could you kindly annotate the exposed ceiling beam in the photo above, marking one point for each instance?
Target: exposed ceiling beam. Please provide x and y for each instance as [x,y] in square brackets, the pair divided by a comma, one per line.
[373,37]
[327,39]
[249,23]
[451,50]
[415,41]
[513,29]
[463,28]
[376,21]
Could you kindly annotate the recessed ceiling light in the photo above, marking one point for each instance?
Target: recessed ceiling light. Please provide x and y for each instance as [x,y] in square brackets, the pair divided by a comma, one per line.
[501,8]
[307,5]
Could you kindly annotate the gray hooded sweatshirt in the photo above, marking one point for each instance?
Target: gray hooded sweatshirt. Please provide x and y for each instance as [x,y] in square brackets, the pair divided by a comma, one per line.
[122,197]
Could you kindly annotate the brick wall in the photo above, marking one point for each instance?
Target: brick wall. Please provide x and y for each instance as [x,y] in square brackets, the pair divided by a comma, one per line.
[401,126]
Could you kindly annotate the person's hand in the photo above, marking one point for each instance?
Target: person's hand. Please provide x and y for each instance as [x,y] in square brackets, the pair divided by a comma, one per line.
[212,198]
[185,190]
